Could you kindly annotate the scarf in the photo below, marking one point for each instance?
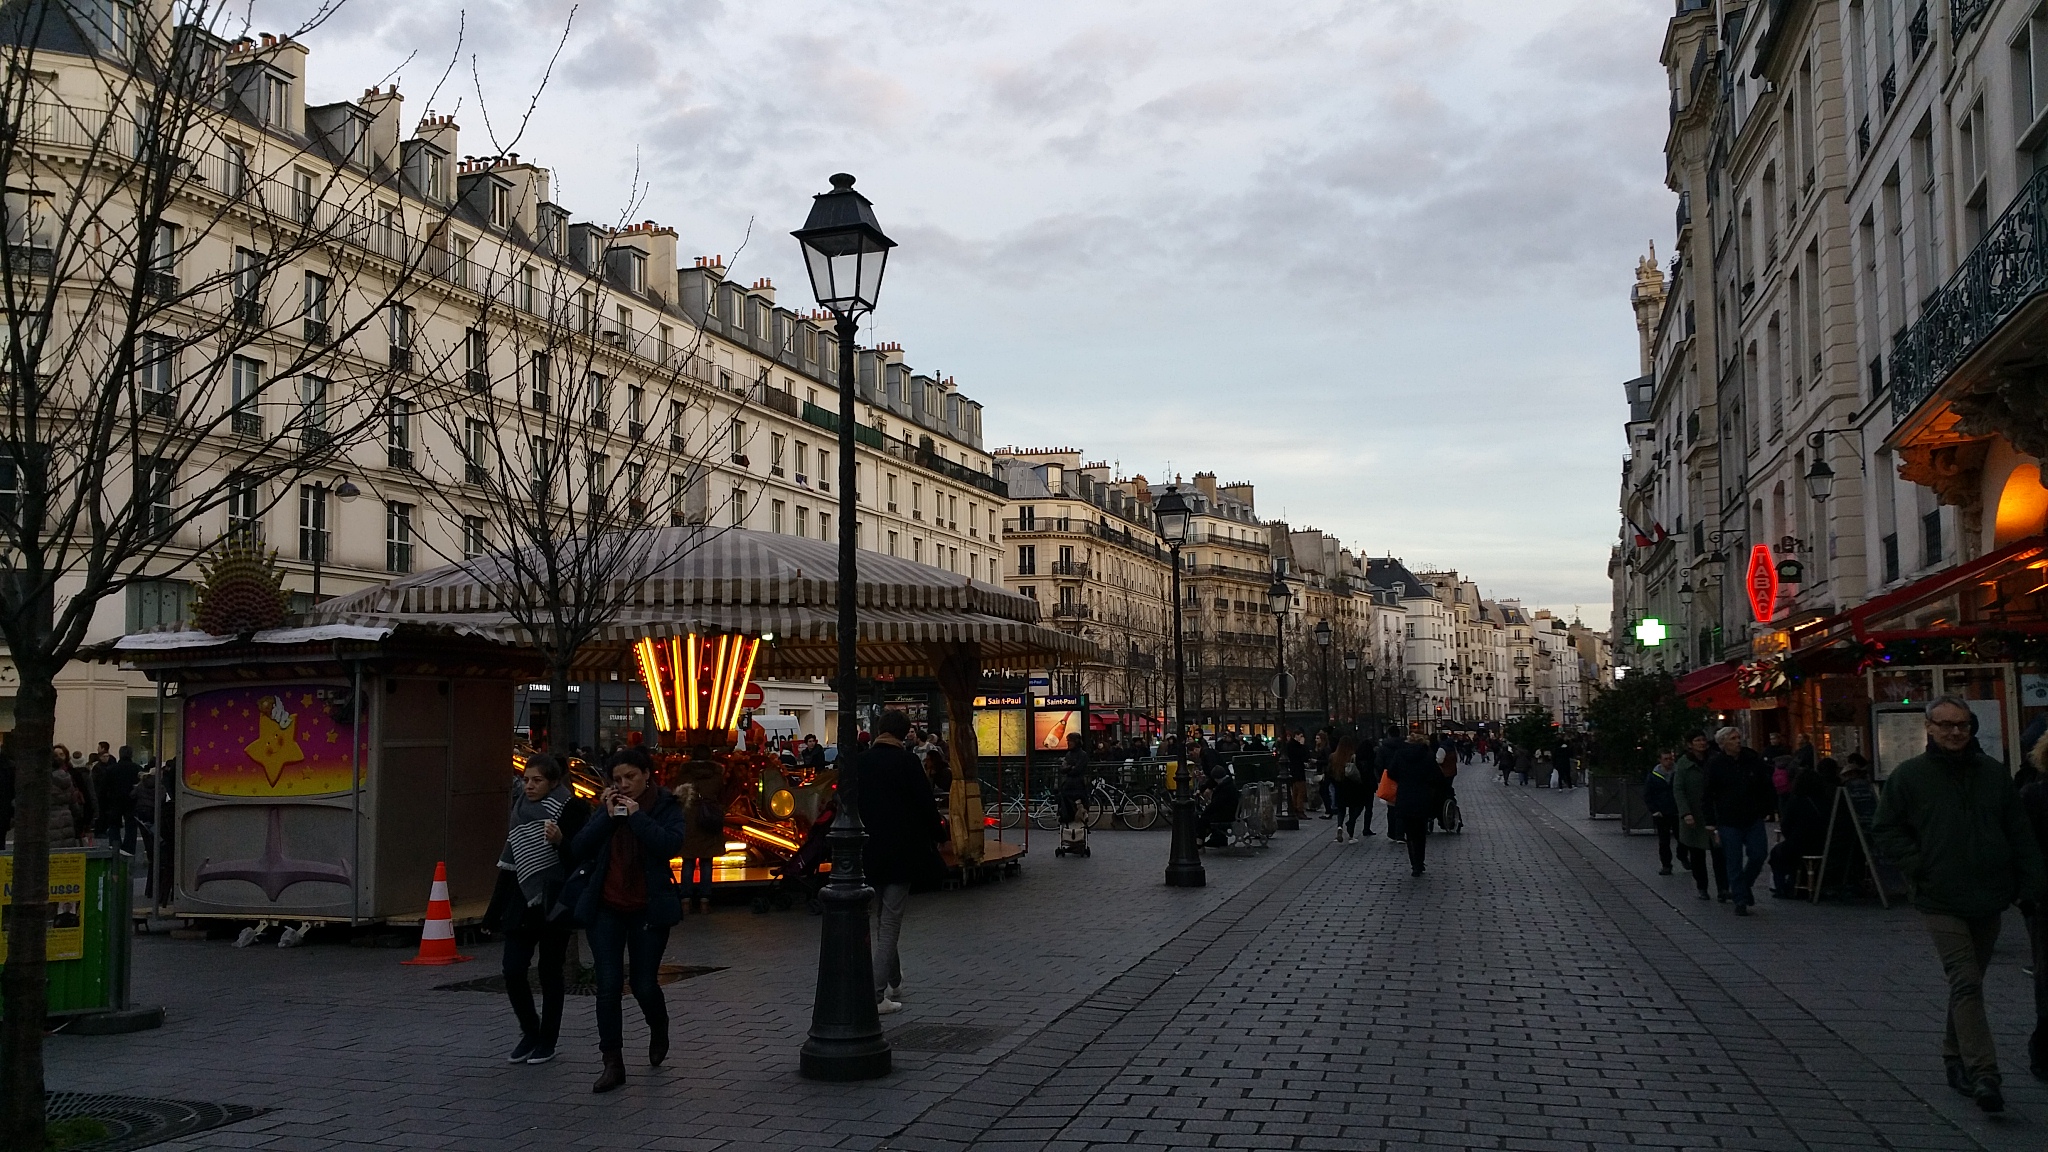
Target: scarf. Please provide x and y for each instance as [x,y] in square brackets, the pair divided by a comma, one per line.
[527,853]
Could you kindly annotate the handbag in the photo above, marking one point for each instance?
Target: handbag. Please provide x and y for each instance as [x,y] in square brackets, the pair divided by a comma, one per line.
[1387,789]
[563,913]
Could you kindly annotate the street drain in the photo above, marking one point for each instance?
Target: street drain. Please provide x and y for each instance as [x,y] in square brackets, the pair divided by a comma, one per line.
[670,973]
[942,1037]
[136,1122]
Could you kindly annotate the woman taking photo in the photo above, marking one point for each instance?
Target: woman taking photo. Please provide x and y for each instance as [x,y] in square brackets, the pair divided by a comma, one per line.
[627,907]
[544,821]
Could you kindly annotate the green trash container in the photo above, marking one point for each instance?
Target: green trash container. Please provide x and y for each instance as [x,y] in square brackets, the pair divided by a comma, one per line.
[91,900]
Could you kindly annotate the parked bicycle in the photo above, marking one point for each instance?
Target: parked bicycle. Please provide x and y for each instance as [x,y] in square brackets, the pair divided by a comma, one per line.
[1105,801]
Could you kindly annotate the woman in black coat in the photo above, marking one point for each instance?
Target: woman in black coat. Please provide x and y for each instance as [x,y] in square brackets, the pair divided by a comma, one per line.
[1418,788]
[904,831]
[1352,789]
[627,905]
[544,820]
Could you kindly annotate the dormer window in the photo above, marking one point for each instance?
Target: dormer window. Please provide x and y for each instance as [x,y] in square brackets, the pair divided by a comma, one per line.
[437,176]
[501,206]
[274,95]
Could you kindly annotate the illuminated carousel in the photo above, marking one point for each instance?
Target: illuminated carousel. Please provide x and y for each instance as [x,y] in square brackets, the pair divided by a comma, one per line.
[709,610]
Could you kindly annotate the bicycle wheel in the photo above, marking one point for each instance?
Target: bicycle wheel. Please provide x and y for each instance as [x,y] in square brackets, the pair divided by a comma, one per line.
[1007,813]
[1140,813]
[1045,814]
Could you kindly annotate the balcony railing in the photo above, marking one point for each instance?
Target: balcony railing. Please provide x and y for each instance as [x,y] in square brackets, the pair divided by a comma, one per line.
[401,358]
[1072,612]
[1888,88]
[1076,568]
[2005,270]
[163,404]
[246,423]
[1916,30]
[1964,15]
[399,458]
[160,286]
[478,379]
[32,259]
[316,331]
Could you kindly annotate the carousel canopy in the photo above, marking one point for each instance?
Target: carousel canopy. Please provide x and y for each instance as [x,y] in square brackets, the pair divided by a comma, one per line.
[702,580]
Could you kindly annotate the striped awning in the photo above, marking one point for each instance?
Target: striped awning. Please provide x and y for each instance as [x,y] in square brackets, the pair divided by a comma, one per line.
[675,581]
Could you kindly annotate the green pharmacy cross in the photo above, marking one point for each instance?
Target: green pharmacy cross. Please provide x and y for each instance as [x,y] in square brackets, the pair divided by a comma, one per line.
[1650,632]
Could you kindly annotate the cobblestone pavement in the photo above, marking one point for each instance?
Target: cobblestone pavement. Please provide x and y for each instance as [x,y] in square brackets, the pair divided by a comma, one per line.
[1540,988]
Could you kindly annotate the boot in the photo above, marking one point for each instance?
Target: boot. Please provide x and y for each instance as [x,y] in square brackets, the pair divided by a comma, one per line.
[614,1074]
[657,1043]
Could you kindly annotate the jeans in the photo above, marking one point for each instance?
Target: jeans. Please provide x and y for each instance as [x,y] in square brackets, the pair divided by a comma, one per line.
[890,901]
[1664,825]
[1744,846]
[693,887]
[1965,950]
[1697,861]
[614,938]
[1352,813]
[553,945]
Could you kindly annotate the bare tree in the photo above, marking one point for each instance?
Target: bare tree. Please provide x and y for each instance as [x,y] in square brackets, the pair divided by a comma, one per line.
[197,316]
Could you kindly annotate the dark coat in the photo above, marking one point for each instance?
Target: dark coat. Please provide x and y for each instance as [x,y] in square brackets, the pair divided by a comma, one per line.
[709,780]
[1417,782]
[658,825]
[1739,788]
[904,829]
[114,784]
[1657,792]
[1952,822]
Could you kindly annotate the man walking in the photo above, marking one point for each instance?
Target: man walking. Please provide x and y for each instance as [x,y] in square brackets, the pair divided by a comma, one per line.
[1739,798]
[1695,828]
[1951,821]
[1663,805]
[904,831]
[1418,785]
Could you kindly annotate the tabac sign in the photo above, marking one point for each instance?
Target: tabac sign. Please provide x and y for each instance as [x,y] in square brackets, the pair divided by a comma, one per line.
[1763,583]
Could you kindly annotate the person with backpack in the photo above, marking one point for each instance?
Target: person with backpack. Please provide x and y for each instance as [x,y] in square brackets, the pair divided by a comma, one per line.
[1351,791]
[700,791]
[1663,805]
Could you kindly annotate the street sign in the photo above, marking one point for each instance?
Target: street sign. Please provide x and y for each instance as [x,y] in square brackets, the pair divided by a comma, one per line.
[753,698]
[1650,632]
[1282,685]
[1763,583]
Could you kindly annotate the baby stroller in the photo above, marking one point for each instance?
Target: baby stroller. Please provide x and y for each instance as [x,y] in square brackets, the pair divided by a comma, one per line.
[1449,818]
[1073,829]
[801,876]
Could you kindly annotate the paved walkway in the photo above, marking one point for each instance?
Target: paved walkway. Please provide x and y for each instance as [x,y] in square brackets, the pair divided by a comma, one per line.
[1540,988]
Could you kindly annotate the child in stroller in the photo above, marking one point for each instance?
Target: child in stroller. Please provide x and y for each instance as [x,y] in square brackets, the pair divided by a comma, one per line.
[1073,798]
[800,875]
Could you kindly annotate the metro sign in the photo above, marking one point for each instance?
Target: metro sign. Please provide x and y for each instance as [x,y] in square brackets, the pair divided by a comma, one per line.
[1763,583]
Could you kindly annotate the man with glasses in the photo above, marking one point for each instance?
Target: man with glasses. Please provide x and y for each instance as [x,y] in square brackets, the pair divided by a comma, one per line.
[1951,821]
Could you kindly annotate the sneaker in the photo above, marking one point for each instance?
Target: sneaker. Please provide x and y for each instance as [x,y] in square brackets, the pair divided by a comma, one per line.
[1663,871]
[524,1052]
[893,992]
[541,1055]
[1353,837]
[1988,1097]
[1723,897]
[1340,835]
[887,1006]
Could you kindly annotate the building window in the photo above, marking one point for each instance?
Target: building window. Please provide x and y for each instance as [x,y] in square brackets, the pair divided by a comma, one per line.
[737,505]
[892,544]
[245,380]
[803,520]
[824,525]
[475,537]
[157,371]
[156,485]
[313,410]
[1930,535]
[1027,560]
[398,434]
[244,504]
[543,370]
[313,538]
[397,536]
[154,604]
[775,508]
[476,451]
[314,304]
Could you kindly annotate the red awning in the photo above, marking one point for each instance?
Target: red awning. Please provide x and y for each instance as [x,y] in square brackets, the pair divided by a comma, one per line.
[1877,609]
[1712,688]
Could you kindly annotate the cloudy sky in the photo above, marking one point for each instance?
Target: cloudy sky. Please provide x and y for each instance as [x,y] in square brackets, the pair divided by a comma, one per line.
[1371,256]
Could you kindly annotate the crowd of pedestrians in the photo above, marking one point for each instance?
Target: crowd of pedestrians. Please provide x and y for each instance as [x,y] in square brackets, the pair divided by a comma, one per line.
[1967,834]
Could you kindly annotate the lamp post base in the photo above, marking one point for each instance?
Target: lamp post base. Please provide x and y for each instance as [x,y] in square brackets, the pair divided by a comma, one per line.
[1286,823]
[1184,865]
[846,1040]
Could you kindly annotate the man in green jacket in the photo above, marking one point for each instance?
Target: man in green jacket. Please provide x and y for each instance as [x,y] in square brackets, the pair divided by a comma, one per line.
[1695,837]
[1952,823]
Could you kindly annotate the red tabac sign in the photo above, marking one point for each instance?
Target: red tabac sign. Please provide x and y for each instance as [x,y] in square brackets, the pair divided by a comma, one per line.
[1763,583]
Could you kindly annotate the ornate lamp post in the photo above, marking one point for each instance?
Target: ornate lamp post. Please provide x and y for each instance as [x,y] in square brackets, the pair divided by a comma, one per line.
[1184,862]
[1372,696]
[1323,646]
[846,252]
[346,491]
[1281,598]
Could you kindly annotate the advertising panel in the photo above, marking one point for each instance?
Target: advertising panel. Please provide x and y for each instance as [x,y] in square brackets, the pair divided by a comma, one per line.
[67,905]
[1056,718]
[1000,726]
[276,741]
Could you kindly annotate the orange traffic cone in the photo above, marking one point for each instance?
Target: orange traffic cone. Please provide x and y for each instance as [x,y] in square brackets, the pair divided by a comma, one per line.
[437,935]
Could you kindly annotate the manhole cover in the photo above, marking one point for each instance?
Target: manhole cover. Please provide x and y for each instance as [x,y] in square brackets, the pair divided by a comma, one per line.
[942,1037]
[135,1122]
[670,973]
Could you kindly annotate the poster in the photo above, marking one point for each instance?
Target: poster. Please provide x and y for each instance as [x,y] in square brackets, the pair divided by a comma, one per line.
[279,740]
[1050,727]
[1000,727]
[67,904]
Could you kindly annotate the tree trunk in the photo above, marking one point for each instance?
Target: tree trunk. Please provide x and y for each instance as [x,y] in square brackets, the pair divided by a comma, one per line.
[25,981]
[561,730]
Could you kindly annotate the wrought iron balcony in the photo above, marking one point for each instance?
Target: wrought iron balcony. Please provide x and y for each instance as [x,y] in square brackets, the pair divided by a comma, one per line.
[1068,611]
[1076,568]
[1964,15]
[1916,29]
[1888,88]
[2005,270]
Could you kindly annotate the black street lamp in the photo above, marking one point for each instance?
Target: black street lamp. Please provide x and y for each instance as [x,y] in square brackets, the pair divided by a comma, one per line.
[345,490]
[1281,598]
[845,252]
[1184,861]
[1372,695]
[1323,644]
[1351,690]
